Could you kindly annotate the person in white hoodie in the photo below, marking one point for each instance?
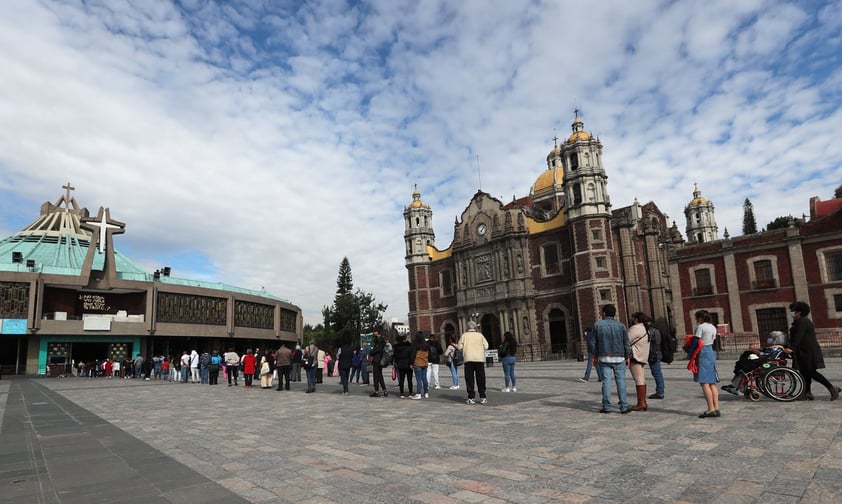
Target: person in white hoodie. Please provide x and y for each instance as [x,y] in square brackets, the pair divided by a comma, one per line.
[194,366]
[473,345]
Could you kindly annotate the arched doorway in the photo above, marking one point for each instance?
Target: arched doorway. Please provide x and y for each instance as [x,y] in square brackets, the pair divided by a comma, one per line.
[558,333]
[448,331]
[490,327]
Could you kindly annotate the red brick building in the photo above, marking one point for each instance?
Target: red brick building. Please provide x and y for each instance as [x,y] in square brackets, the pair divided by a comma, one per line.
[749,281]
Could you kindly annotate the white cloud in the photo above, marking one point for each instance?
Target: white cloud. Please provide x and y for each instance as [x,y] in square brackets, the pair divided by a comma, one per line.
[261,143]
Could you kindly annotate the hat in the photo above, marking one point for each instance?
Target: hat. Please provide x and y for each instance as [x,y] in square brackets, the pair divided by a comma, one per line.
[472,325]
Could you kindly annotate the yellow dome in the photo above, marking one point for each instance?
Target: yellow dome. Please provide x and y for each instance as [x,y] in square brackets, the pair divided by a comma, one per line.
[699,201]
[418,204]
[553,153]
[416,200]
[579,135]
[547,179]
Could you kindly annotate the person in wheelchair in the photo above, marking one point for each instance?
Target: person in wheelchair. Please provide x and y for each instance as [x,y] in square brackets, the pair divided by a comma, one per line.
[754,357]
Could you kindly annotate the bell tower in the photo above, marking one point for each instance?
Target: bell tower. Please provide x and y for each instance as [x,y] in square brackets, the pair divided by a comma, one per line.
[701,221]
[418,235]
[418,230]
[598,280]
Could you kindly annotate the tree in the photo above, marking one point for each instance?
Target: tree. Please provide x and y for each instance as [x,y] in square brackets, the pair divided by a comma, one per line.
[783,222]
[749,222]
[838,192]
[358,310]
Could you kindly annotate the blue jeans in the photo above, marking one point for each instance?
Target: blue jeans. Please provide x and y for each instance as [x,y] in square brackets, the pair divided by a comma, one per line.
[659,377]
[619,371]
[588,369]
[355,372]
[421,380]
[185,372]
[311,378]
[454,374]
[204,375]
[509,370]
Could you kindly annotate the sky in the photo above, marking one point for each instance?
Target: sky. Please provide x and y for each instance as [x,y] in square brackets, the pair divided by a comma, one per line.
[257,143]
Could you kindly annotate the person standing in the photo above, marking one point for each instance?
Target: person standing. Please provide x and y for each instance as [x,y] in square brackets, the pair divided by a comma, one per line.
[185,366]
[232,365]
[345,360]
[322,364]
[213,368]
[283,362]
[296,364]
[311,366]
[473,345]
[506,353]
[403,363]
[194,367]
[266,371]
[590,365]
[451,362]
[436,352]
[612,352]
[808,355]
[356,366]
[365,351]
[248,364]
[703,363]
[655,358]
[378,362]
[420,364]
[639,341]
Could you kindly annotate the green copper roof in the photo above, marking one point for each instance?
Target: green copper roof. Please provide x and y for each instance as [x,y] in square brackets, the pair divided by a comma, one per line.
[57,244]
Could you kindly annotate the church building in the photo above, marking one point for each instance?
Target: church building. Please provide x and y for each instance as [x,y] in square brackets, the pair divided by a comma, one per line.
[541,265]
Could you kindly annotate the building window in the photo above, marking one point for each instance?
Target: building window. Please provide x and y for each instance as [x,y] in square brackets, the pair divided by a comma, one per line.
[552,265]
[577,194]
[764,275]
[604,294]
[596,235]
[446,282]
[833,263]
[837,302]
[704,286]
[600,262]
[771,319]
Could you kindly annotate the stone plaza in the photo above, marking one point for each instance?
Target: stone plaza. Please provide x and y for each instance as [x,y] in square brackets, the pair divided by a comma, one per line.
[81,440]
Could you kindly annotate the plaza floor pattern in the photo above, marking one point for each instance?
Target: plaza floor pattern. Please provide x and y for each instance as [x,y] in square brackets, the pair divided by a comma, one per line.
[124,441]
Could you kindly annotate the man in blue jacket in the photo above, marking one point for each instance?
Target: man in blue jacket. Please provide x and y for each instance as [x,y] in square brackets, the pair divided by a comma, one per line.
[611,351]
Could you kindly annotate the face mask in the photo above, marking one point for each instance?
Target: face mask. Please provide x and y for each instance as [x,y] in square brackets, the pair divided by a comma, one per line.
[792,314]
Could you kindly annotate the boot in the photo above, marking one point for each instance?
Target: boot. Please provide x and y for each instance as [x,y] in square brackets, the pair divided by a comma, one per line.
[834,392]
[641,399]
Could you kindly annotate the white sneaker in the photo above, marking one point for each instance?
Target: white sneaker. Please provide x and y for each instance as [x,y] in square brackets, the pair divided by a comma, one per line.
[470,401]
[505,389]
[453,387]
[483,401]
[514,389]
[426,395]
[437,387]
[416,396]
[583,380]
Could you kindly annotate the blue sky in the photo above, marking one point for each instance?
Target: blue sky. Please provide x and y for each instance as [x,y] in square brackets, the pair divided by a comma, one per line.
[258,143]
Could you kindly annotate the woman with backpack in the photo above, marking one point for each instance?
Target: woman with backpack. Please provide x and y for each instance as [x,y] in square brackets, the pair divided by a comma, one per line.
[450,355]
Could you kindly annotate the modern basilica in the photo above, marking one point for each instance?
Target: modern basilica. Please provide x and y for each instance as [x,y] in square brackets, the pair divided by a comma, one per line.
[67,295]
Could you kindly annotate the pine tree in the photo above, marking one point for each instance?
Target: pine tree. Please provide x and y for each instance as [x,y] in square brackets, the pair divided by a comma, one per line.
[345,310]
[838,192]
[749,222]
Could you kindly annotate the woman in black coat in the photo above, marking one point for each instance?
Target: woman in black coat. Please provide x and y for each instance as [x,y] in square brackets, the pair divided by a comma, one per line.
[807,352]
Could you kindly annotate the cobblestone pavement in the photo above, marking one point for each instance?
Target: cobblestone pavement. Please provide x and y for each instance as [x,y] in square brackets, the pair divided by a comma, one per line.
[544,443]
